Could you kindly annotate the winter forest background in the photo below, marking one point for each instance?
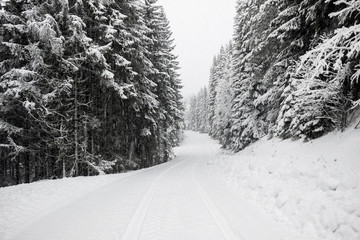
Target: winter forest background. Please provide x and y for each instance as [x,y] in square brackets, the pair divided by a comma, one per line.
[292,71]
[86,87]
[91,87]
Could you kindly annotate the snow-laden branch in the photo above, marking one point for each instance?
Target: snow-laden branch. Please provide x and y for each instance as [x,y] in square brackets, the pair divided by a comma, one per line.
[328,55]
[352,6]
[4,126]
[123,90]
[345,43]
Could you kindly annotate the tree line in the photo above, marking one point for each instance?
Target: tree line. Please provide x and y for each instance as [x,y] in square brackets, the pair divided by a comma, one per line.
[291,70]
[86,87]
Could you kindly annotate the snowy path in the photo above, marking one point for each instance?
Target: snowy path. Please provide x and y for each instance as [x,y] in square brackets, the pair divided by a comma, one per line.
[176,200]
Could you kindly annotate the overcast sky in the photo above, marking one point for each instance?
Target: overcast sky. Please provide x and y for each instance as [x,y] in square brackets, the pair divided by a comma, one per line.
[200,28]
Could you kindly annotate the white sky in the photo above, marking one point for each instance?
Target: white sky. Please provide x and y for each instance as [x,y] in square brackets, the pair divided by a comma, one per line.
[200,28]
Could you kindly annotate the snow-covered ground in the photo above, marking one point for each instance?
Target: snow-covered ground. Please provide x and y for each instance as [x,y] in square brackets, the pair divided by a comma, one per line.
[177,200]
[23,204]
[274,190]
[314,186]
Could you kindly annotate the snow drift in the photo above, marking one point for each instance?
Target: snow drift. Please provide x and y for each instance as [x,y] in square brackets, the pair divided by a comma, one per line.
[312,185]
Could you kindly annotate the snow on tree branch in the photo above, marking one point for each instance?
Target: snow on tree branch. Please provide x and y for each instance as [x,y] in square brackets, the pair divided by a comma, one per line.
[4,126]
[328,55]
[16,81]
[351,7]
[122,90]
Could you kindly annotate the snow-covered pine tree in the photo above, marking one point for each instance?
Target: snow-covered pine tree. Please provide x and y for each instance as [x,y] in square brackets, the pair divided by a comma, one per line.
[326,81]
[250,30]
[222,107]
[111,87]
[269,38]
[37,88]
[166,79]
[73,72]
[145,105]
[174,101]
[198,112]
[192,114]
[213,81]
[202,106]
[13,82]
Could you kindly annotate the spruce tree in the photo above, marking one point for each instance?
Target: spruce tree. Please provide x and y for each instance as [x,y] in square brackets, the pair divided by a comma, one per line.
[84,88]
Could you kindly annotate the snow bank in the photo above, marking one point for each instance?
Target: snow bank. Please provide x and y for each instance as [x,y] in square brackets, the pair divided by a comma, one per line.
[313,186]
[24,204]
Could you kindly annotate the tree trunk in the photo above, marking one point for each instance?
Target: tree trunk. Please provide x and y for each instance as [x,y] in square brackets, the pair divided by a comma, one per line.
[143,157]
[76,130]
[36,169]
[132,150]
[47,168]
[27,167]
[18,175]
[61,155]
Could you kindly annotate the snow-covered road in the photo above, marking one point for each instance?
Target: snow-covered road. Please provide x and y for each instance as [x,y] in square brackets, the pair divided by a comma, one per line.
[180,200]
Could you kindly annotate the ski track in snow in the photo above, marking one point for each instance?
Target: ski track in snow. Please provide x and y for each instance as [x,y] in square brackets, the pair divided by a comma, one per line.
[218,218]
[173,201]
[135,226]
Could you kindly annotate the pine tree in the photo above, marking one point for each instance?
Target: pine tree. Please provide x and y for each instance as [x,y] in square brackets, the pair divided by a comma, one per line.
[166,80]
[249,33]
[272,91]
[198,113]
[325,81]
[84,89]
[222,120]
[213,81]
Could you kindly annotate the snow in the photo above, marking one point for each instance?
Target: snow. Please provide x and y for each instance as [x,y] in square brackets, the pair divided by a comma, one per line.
[22,204]
[273,190]
[4,126]
[107,75]
[29,106]
[313,186]
[176,200]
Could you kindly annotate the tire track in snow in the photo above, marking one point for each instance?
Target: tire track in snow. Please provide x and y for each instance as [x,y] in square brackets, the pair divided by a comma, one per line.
[177,212]
[135,226]
[158,221]
[214,212]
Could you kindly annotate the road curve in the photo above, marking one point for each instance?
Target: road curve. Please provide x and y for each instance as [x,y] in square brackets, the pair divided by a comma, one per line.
[177,200]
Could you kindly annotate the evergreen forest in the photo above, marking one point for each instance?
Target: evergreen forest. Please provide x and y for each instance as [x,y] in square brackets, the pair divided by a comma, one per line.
[292,70]
[87,87]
